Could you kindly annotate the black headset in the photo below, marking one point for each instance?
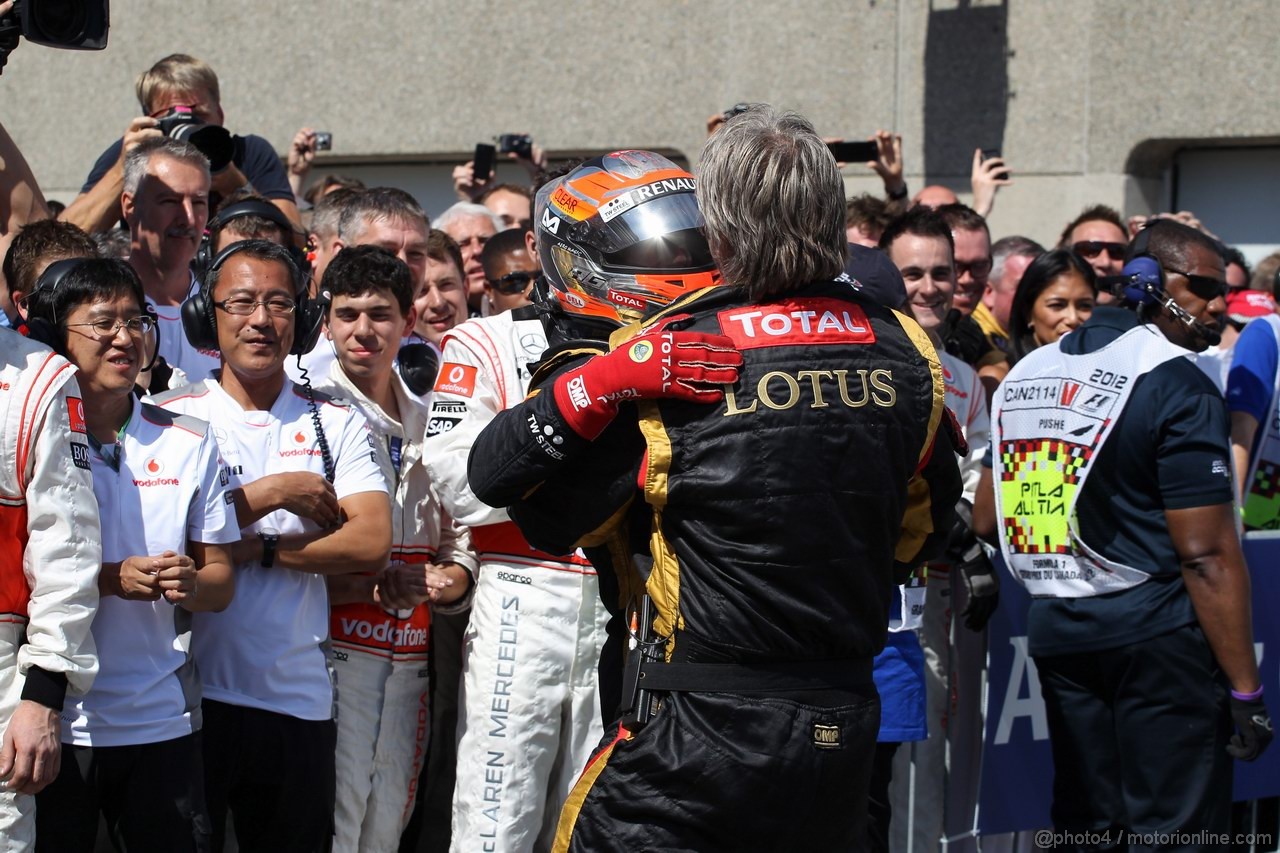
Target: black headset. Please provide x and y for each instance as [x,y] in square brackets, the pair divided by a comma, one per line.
[200,323]
[46,332]
[237,210]
[1144,284]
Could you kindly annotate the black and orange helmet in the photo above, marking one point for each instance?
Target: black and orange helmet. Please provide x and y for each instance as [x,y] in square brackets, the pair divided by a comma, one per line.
[620,236]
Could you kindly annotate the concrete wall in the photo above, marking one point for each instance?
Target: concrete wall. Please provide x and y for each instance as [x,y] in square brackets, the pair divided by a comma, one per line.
[1088,99]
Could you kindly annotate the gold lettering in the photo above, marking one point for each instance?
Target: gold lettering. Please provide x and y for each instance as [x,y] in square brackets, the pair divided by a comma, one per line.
[880,380]
[813,376]
[732,402]
[793,390]
[842,378]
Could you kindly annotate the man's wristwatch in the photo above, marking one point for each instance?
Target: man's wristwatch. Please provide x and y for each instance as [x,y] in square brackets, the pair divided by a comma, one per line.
[899,194]
[270,541]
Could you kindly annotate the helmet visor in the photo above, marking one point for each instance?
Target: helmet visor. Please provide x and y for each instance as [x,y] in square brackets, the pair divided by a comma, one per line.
[679,250]
[657,233]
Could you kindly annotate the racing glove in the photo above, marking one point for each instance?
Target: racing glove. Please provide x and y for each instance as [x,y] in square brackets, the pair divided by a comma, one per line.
[1253,726]
[963,337]
[969,558]
[663,363]
[983,585]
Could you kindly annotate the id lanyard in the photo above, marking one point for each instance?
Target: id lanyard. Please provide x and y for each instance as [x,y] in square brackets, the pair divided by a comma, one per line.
[395,446]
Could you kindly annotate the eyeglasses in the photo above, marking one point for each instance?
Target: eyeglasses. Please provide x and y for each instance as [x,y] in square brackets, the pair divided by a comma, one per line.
[107,329]
[276,307]
[977,269]
[1090,249]
[1203,286]
[513,282]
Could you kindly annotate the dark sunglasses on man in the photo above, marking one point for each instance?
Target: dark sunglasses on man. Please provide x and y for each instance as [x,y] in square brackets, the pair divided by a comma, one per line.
[1203,286]
[1090,249]
[513,283]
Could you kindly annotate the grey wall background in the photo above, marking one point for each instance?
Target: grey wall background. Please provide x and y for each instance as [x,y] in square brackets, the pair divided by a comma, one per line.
[1090,100]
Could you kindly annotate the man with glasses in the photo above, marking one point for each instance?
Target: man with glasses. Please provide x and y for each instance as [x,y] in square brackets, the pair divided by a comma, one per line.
[1140,615]
[311,501]
[1098,235]
[509,270]
[962,334]
[131,747]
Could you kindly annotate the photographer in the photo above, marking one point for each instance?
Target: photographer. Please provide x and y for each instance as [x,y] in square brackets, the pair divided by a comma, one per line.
[174,85]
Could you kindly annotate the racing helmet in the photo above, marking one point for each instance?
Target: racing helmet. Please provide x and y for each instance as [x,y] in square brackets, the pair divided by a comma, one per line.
[619,237]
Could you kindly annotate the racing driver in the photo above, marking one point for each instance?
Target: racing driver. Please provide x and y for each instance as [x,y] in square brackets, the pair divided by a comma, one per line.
[757,459]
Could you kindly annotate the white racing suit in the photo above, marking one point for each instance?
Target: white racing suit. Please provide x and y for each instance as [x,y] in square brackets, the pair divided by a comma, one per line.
[50,546]
[529,713]
[380,657]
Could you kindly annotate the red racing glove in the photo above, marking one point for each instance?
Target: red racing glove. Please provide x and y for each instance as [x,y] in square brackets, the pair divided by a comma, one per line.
[676,364]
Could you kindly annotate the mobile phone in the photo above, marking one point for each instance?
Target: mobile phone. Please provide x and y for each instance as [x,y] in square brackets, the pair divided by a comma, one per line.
[324,140]
[853,152]
[991,154]
[483,161]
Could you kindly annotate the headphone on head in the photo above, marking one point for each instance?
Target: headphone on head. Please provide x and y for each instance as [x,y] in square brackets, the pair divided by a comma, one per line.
[46,332]
[37,328]
[1143,275]
[250,207]
[199,321]
[1144,284]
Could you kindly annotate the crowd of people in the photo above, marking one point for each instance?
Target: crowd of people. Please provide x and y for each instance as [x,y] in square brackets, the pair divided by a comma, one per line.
[625,510]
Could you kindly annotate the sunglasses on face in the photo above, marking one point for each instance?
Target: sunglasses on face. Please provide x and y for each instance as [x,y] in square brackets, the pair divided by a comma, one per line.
[977,269]
[513,282]
[1090,249]
[1203,286]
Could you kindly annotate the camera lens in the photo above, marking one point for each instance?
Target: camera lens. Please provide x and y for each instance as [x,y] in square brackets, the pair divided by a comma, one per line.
[60,20]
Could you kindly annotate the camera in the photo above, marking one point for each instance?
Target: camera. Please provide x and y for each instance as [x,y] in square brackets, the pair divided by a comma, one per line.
[61,23]
[519,144]
[54,23]
[324,140]
[213,142]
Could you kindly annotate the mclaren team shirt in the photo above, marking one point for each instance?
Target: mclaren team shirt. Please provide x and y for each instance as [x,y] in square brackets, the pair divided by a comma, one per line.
[158,488]
[266,650]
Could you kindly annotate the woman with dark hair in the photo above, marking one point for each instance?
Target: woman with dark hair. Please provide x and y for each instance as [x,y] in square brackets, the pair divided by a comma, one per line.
[1057,293]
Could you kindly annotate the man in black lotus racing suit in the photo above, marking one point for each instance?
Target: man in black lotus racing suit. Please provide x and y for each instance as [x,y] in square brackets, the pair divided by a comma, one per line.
[764,517]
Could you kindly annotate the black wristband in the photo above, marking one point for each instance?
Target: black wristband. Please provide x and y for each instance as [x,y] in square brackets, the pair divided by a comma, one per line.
[45,688]
[899,194]
[270,541]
